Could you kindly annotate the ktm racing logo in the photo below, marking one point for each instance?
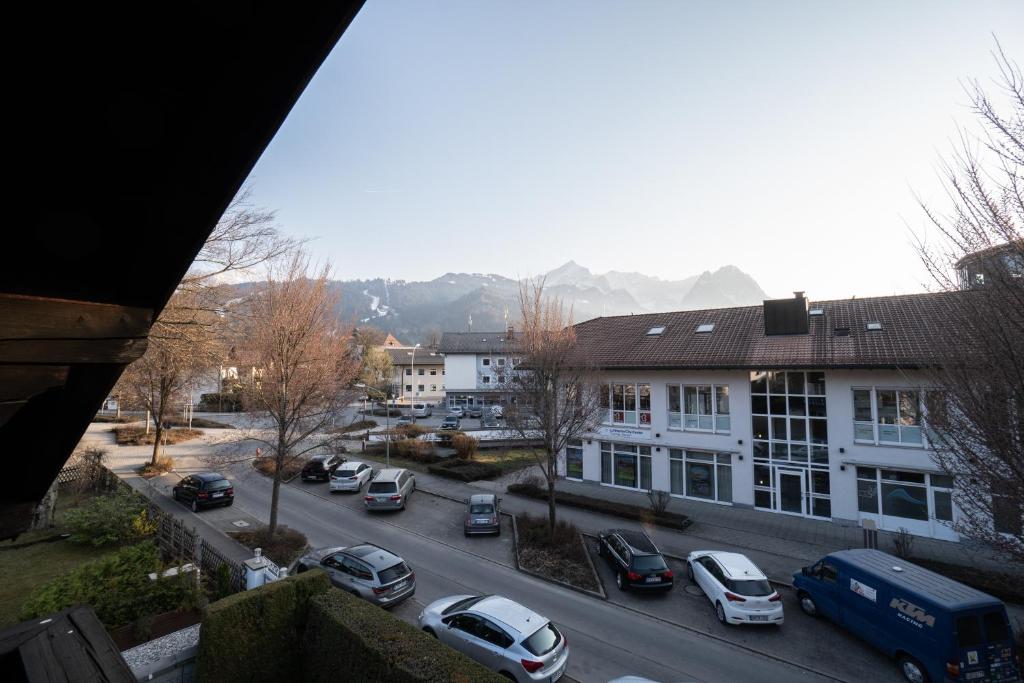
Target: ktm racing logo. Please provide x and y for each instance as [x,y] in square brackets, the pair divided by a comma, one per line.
[912,613]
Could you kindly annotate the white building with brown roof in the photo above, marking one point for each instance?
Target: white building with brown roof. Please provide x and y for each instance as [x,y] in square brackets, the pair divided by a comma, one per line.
[816,409]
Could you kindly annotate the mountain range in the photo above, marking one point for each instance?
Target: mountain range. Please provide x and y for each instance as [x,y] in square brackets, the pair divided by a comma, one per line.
[418,311]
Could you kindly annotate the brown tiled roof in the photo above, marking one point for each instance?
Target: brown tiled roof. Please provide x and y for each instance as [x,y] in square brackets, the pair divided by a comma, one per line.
[912,326]
[477,342]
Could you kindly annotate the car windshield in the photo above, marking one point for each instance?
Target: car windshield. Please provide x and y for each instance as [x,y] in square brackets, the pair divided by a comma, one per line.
[344,473]
[481,509]
[383,487]
[465,603]
[218,485]
[649,563]
[393,573]
[544,640]
[753,588]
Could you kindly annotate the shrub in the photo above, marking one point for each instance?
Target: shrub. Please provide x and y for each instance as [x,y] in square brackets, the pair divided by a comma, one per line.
[267,465]
[348,639]
[415,450]
[255,635]
[560,555]
[659,501]
[118,587]
[904,543]
[411,431]
[465,470]
[286,546]
[163,464]
[357,426]
[466,446]
[672,520]
[107,519]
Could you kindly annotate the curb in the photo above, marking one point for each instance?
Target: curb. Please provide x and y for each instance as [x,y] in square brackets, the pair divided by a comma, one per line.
[515,557]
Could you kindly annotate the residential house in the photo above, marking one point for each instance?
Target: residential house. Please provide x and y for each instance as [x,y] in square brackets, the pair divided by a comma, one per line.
[476,366]
[418,373]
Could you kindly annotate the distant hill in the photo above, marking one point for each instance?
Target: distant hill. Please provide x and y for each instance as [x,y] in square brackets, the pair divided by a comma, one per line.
[414,311]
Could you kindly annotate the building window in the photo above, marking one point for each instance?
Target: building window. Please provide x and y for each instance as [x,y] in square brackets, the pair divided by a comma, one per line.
[628,404]
[501,362]
[908,495]
[1006,511]
[702,408]
[408,371]
[501,379]
[420,387]
[485,379]
[887,416]
[486,361]
[516,360]
[433,372]
[626,465]
[408,387]
[433,387]
[574,460]
[421,372]
[706,476]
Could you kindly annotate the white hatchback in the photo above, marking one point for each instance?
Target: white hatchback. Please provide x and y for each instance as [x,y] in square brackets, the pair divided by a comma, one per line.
[739,590]
[350,476]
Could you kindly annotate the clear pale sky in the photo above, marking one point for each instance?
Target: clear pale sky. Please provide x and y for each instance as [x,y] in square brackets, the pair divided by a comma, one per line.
[787,138]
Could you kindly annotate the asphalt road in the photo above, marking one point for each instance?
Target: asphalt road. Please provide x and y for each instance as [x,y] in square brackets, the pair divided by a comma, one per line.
[606,640]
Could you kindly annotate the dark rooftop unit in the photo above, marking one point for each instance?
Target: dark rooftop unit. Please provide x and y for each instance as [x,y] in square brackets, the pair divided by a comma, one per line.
[786,316]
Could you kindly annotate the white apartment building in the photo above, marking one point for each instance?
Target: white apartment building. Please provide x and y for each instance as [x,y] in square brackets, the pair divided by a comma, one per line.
[795,408]
[417,373]
[476,366]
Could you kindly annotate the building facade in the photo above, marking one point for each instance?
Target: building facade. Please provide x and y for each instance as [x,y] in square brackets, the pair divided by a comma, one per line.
[417,374]
[815,410]
[477,367]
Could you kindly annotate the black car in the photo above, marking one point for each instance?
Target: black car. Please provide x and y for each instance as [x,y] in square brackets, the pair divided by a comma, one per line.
[475,411]
[204,490]
[635,559]
[321,467]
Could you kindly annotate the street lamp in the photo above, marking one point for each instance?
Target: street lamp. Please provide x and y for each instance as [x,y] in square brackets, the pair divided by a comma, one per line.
[413,354]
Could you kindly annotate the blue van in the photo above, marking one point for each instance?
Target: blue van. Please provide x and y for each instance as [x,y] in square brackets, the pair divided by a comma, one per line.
[937,629]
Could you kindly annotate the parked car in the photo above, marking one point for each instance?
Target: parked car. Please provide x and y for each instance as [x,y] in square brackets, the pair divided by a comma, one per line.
[351,476]
[500,634]
[390,490]
[404,420]
[422,410]
[488,421]
[483,516]
[635,560]
[451,422]
[739,590]
[475,411]
[498,412]
[319,467]
[937,629]
[456,411]
[365,570]
[204,490]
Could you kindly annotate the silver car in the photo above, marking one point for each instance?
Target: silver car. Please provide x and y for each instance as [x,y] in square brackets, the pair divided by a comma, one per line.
[351,476]
[390,490]
[366,570]
[500,634]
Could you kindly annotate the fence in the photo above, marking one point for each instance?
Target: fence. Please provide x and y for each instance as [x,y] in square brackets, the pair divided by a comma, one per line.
[174,538]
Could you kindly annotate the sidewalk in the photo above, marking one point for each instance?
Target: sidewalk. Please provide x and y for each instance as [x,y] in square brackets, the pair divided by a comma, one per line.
[779,544]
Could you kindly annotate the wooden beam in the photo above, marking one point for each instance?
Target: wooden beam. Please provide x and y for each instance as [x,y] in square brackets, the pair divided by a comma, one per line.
[71,351]
[29,317]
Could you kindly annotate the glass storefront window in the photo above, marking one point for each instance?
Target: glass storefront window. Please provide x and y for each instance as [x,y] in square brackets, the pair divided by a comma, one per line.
[699,480]
[625,470]
[574,461]
[867,496]
[903,500]
[943,505]
[703,475]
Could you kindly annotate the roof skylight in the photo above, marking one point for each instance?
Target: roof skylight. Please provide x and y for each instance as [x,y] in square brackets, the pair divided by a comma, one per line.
[656,330]
[874,325]
[706,327]
[816,311]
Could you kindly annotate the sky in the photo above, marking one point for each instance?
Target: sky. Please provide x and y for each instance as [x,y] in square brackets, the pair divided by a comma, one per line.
[788,138]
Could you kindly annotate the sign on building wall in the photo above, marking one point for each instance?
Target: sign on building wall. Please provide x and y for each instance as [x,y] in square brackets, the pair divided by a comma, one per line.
[624,433]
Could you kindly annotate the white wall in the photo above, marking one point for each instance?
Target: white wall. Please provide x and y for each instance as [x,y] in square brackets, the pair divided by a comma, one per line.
[460,372]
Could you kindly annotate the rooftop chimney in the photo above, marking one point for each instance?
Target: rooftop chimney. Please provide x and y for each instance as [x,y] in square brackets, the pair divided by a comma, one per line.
[786,316]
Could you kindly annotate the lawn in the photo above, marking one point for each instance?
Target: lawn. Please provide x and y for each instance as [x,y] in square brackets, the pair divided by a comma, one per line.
[25,569]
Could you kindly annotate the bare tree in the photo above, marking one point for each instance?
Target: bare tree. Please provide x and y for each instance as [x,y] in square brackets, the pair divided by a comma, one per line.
[304,365]
[556,394]
[977,417]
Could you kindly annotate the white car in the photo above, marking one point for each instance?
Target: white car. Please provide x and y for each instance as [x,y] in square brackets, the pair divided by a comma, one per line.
[503,635]
[351,476]
[739,590]
[498,412]
[456,411]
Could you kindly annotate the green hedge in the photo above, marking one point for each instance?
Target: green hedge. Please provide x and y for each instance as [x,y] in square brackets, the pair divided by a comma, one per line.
[254,635]
[465,470]
[348,639]
[672,520]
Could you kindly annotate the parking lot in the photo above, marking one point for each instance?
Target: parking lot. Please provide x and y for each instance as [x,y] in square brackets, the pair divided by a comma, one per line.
[814,643]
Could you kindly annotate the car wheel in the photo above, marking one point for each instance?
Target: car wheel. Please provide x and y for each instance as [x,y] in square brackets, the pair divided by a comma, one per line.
[429,631]
[194,505]
[620,582]
[507,675]
[912,670]
[689,572]
[807,605]
[720,613]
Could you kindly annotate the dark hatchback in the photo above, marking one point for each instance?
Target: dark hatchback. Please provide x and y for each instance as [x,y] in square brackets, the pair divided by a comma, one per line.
[204,490]
[635,559]
[320,467]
